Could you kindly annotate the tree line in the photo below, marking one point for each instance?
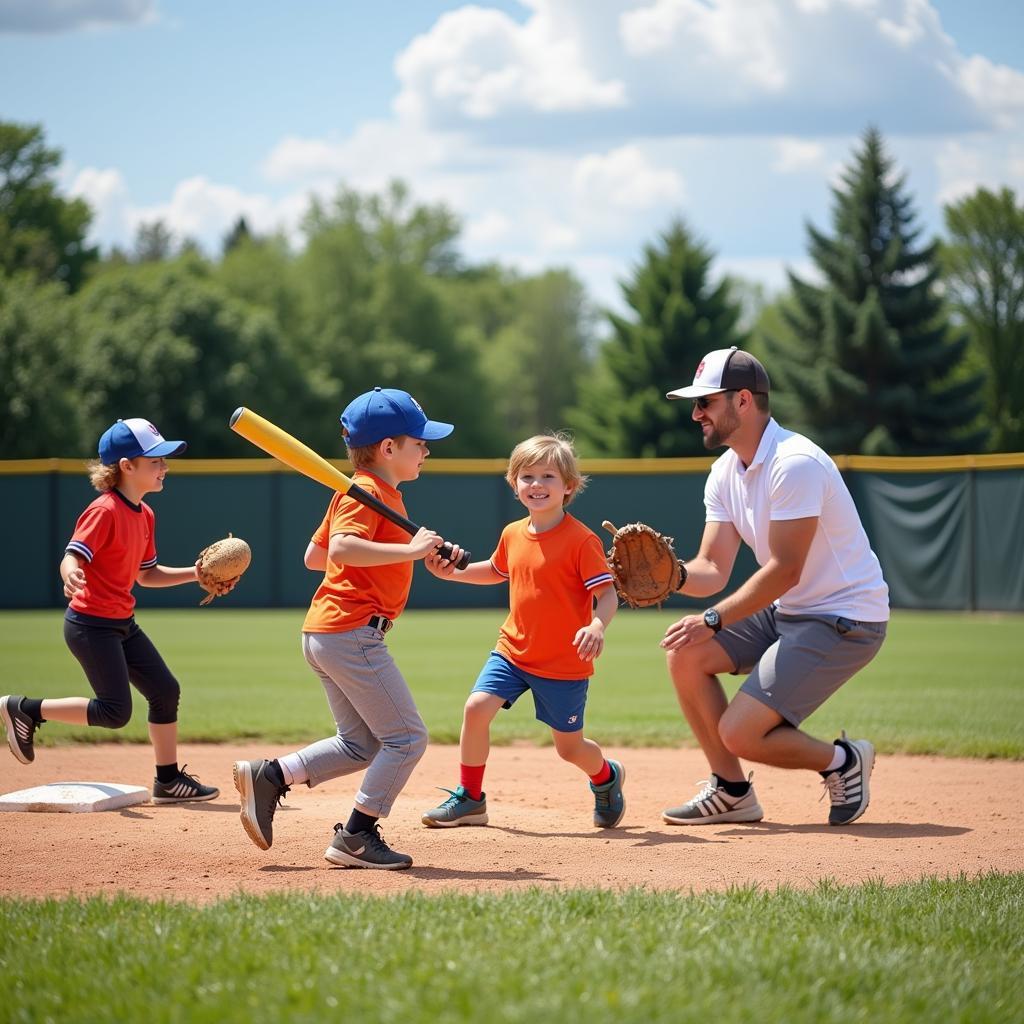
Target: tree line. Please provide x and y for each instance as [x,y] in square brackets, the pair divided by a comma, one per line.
[898,346]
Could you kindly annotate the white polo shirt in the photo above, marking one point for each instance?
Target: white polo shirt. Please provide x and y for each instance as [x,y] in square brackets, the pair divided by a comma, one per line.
[792,478]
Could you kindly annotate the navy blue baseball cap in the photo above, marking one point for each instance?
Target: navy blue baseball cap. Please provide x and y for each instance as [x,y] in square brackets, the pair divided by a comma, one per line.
[128,439]
[387,412]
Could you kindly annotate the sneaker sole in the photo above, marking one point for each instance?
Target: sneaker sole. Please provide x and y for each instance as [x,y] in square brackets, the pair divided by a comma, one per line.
[748,814]
[12,739]
[185,799]
[243,783]
[346,860]
[469,819]
[867,760]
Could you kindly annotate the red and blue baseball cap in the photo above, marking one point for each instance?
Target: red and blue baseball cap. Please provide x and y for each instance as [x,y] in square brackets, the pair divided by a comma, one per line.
[387,412]
[128,439]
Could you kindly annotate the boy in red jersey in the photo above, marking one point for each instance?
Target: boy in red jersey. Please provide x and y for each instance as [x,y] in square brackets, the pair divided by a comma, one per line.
[561,600]
[114,547]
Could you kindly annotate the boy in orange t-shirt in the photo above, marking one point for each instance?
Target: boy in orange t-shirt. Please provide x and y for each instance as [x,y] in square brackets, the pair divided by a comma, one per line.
[561,600]
[367,565]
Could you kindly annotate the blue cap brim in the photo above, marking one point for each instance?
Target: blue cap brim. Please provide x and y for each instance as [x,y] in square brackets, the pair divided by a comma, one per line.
[166,450]
[434,431]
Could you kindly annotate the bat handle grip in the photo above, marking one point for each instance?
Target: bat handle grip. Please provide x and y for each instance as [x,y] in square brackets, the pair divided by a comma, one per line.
[445,551]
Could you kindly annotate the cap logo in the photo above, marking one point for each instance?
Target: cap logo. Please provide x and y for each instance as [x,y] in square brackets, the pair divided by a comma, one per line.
[153,430]
[700,370]
[417,404]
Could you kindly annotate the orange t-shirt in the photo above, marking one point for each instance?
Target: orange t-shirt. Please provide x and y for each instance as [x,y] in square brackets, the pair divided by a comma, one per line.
[117,539]
[350,595]
[552,578]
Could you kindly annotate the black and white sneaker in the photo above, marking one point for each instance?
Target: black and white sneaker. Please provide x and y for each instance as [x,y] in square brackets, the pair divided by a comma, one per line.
[20,728]
[364,850]
[848,790]
[182,789]
[714,806]
[260,797]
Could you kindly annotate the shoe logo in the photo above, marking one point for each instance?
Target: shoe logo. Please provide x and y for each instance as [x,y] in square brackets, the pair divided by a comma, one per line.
[572,719]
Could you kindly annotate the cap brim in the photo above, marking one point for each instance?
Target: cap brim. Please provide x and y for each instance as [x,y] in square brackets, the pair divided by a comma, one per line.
[694,391]
[434,431]
[166,449]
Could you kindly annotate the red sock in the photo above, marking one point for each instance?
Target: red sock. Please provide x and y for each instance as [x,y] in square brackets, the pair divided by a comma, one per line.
[471,777]
[603,776]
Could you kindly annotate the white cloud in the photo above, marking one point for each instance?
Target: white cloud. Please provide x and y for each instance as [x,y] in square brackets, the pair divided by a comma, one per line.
[655,67]
[624,178]
[797,155]
[963,168]
[475,63]
[48,16]
[491,228]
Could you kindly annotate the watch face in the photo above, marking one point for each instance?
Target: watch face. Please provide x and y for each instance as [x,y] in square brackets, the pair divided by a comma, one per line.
[712,619]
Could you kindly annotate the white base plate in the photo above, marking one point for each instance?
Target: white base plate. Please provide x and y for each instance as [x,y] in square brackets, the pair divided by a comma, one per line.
[75,797]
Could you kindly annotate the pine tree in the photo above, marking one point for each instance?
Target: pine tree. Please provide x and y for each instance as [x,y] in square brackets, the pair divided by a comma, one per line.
[680,316]
[869,363]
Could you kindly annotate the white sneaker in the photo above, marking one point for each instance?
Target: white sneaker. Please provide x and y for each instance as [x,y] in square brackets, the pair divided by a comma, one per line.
[849,791]
[713,806]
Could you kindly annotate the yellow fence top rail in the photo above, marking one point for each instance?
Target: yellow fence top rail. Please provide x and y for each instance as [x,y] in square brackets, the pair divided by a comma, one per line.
[593,467]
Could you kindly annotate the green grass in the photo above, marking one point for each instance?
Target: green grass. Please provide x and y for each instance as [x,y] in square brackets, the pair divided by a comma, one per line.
[934,950]
[944,683]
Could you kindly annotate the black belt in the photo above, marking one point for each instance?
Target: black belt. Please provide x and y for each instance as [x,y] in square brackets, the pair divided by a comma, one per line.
[381,623]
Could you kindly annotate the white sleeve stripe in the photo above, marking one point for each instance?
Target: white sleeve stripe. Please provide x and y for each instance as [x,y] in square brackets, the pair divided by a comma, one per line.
[597,581]
[497,570]
[149,564]
[78,548]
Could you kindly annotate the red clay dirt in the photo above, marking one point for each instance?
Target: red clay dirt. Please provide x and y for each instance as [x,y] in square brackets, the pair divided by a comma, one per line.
[928,816]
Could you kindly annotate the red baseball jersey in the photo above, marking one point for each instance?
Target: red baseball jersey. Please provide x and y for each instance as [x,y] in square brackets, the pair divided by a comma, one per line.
[117,539]
[552,578]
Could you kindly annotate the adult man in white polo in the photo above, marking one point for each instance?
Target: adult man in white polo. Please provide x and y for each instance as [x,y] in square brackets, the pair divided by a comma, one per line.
[813,614]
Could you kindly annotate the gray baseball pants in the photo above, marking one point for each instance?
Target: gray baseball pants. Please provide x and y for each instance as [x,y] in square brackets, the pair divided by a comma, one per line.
[379,728]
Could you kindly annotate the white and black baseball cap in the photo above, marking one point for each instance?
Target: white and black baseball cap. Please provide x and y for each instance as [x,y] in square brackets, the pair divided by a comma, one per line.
[725,369]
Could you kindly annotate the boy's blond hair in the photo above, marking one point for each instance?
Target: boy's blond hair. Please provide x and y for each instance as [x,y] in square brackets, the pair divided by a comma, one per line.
[557,449]
[103,478]
[366,456]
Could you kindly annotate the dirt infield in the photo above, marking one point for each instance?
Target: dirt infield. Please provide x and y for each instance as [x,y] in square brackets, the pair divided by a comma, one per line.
[927,816]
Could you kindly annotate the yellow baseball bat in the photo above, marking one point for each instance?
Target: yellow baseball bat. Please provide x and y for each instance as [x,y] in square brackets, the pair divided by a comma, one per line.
[300,457]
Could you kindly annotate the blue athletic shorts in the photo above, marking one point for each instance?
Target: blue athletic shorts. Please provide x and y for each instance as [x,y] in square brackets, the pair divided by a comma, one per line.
[559,703]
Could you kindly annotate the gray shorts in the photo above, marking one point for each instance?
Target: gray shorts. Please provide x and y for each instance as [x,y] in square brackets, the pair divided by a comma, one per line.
[796,662]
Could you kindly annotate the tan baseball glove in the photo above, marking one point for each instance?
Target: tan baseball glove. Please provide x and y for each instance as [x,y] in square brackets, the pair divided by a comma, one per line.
[644,564]
[220,566]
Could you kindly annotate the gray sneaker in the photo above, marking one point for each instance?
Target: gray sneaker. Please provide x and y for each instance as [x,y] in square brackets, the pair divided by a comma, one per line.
[609,803]
[713,806]
[260,798]
[20,729]
[848,790]
[459,809]
[364,850]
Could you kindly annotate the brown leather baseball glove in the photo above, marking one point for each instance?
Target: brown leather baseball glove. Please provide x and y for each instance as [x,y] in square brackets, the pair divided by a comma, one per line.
[220,566]
[644,564]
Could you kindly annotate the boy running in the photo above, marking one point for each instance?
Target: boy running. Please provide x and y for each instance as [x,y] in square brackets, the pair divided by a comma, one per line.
[561,600]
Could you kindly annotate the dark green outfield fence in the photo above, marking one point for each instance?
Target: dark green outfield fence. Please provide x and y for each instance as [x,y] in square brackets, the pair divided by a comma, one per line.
[949,532]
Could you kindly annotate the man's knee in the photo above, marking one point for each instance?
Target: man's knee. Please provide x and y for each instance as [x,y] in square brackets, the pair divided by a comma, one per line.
[735,737]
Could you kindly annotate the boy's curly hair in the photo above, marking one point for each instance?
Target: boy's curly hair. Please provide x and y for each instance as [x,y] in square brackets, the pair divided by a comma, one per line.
[103,478]
[556,448]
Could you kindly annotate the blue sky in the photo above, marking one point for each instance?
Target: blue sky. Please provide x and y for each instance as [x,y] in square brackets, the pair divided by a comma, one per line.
[563,132]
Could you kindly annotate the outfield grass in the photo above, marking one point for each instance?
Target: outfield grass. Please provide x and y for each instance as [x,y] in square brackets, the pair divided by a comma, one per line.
[944,683]
[932,950]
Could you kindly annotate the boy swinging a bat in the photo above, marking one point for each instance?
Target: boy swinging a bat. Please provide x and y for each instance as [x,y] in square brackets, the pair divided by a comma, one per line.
[367,561]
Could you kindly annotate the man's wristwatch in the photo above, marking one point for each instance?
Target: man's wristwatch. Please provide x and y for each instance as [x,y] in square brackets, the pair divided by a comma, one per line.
[713,620]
